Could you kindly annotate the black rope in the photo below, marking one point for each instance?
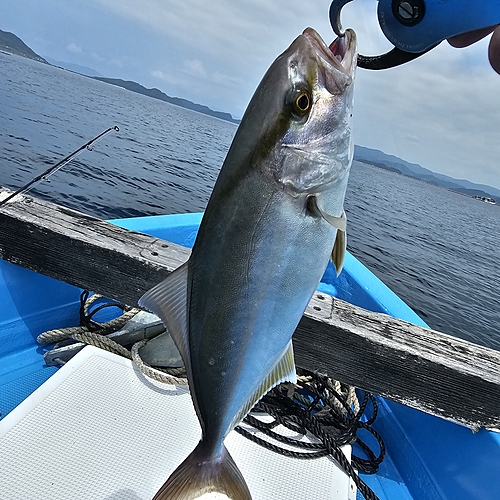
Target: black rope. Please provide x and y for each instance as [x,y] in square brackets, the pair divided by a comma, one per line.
[86,317]
[309,407]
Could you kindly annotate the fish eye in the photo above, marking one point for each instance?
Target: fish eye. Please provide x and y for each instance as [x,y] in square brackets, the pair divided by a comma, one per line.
[302,102]
[299,100]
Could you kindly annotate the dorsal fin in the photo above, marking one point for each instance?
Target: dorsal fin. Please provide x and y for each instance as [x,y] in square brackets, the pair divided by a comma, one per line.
[168,300]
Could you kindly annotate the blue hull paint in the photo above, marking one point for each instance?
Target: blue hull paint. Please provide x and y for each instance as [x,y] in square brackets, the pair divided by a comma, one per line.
[428,458]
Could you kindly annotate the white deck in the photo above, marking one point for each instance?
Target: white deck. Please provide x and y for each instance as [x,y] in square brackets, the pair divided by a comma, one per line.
[98,429]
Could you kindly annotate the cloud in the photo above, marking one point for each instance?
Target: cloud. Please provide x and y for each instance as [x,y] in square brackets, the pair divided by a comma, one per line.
[97,57]
[447,113]
[194,67]
[159,74]
[164,77]
[117,62]
[235,41]
[440,110]
[224,79]
[74,48]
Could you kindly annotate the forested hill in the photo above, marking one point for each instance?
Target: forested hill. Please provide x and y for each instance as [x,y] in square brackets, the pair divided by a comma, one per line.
[14,45]
[158,94]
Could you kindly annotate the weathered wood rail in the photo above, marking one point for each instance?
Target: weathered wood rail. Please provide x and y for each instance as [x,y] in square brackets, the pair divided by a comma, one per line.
[419,367]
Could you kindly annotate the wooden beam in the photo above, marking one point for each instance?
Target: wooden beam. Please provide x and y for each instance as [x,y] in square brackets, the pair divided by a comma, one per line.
[419,367]
[84,251]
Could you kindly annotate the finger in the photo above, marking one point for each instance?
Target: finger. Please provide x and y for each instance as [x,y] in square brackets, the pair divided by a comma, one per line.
[494,50]
[465,39]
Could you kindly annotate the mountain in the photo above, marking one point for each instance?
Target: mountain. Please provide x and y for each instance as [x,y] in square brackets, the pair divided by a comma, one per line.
[13,44]
[158,94]
[76,68]
[400,166]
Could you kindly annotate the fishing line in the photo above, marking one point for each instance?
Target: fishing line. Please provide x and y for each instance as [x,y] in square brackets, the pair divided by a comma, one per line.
[52,170]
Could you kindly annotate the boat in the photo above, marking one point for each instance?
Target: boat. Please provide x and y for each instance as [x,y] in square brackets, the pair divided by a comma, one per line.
[427,457]
[486,200]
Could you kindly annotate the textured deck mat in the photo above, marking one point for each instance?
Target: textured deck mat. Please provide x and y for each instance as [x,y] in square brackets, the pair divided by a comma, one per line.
[98,429]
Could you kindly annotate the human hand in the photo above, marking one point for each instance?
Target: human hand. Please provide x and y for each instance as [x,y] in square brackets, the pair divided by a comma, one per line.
[473,36]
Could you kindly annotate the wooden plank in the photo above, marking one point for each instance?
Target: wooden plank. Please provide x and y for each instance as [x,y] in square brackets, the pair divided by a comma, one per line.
[84,251]
[421,368]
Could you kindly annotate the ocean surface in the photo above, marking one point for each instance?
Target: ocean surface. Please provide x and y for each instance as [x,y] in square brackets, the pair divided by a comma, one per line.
[438,250]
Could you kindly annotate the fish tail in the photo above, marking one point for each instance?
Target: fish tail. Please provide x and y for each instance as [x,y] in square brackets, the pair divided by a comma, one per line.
[199,474]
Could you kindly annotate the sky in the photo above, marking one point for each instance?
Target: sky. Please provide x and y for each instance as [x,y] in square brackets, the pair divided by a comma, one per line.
[441,111]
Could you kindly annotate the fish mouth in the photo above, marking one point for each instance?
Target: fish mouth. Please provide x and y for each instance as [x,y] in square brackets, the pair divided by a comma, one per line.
[341,53]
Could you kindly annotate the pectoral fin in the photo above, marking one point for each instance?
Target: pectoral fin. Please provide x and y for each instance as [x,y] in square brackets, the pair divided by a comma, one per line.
[339,222]
[340,245]
[339,250]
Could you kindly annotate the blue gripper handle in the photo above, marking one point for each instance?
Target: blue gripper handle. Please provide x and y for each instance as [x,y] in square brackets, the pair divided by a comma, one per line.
[433,20]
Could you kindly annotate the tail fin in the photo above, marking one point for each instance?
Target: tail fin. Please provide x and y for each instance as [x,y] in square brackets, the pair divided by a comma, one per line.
[198,475]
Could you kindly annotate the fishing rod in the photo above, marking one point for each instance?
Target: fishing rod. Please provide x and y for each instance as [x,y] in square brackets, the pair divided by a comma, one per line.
[52,170]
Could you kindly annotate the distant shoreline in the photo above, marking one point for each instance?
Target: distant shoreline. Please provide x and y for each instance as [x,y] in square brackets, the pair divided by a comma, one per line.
[397,165]
[392,171]
[158,94]
[11,44]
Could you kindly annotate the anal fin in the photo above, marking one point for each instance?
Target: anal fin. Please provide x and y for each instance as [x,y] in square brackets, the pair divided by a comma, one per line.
[283,371]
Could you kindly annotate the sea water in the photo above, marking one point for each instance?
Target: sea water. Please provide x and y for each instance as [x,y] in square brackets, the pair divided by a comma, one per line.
[436,249]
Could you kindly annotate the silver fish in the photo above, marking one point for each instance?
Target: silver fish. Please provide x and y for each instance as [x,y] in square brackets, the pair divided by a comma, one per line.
[274,216]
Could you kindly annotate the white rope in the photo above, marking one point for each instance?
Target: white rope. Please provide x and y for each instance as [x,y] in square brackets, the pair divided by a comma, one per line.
[348,391]
[60,334]
[151,372]
[98,339]
[170,376]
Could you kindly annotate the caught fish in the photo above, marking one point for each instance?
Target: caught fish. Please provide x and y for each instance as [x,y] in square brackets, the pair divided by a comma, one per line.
[274,215]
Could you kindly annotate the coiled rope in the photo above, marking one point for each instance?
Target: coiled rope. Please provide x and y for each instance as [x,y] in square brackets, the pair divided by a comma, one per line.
[315,407]
[93,333]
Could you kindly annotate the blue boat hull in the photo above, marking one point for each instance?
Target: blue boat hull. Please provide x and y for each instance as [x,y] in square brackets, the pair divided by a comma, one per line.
[427,457]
